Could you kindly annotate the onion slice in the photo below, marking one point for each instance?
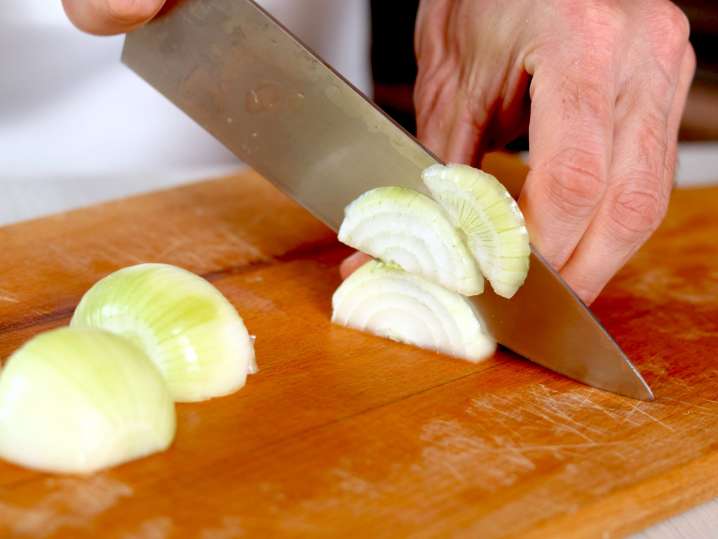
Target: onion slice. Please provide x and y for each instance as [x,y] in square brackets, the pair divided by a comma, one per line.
[479,205]
[184,324]
[406,228]
[387,301]
[77,400]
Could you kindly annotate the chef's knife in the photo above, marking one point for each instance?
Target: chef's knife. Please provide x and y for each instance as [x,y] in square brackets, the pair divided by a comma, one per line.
[277,106]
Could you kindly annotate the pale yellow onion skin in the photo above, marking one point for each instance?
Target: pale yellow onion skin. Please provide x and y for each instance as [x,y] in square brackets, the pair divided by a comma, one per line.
[389,302]
[78,400]
[184,324]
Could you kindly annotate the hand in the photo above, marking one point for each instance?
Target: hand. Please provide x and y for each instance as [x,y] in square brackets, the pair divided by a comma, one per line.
[105,17]
[607,82]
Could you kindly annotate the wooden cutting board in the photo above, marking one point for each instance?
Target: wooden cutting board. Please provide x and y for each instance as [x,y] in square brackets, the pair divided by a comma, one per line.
[346,435]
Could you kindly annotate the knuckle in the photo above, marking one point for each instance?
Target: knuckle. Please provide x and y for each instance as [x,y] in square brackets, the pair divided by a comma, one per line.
[598,20]
[677,22]
[577,183]
[637,212]
[585,95]
[592,96]
[669,27]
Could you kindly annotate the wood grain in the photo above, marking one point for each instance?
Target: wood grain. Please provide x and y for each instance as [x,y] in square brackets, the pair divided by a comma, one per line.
[344,434]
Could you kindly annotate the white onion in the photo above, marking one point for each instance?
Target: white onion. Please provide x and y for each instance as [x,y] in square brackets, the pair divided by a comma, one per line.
[77,400]
[404,227]
[389,302]
[495,229]
[184,324]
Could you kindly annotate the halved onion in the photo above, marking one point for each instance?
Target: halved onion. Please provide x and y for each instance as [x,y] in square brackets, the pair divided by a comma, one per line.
[184,324]
[77,400]
[479,205]
[406,228]
[389,302]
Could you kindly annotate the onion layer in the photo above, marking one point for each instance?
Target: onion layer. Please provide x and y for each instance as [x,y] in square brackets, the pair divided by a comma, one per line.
[389,302]
[406,228]
[479,205]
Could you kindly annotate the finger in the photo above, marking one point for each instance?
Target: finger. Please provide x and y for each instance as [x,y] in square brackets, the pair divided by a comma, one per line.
[353,263]
[434,74]
[446,121]
[688,69]
[105,17]
[642,177]
[488,113]
[436,110]
[570,140]
[465,140]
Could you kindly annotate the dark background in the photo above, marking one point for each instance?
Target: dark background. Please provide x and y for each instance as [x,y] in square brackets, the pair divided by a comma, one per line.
[394,65]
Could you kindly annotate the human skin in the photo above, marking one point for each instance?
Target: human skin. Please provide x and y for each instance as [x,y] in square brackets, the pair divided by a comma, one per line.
[607,82]
[600,85]
[107,17]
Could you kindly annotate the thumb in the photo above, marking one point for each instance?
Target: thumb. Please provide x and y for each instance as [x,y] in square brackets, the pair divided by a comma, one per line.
[106,17]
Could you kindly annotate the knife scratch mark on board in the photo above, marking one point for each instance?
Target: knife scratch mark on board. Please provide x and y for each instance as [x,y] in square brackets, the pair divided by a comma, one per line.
[69,503]
[660,284]
[551,406]
[154,528]
[172,246]
[352,483]
[572,413]
[453,455]
[532,505]
[703,407]
[638,407]
[496,405]
[7,297]
[453,449]
[231,528]
[222,242]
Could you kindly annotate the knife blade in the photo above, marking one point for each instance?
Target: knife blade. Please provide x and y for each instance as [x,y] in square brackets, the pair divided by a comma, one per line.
[276,105]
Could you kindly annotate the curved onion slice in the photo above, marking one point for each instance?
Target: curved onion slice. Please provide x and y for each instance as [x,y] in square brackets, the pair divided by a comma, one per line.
[386,301]
[183,323]
[404,227]
[77,400]
[483,209]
